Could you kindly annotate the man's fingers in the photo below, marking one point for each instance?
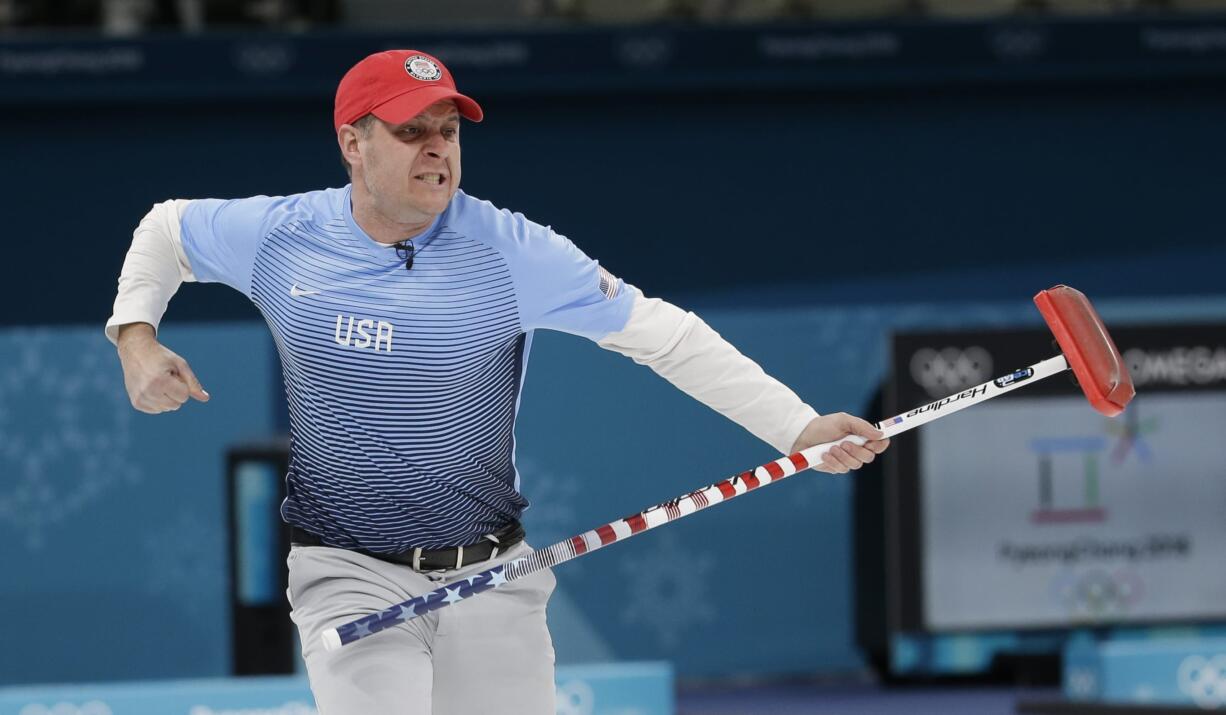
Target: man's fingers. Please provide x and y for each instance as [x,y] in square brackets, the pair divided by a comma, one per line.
[173,388]
[166,393]
[167,402]
[877,445]
[155,405]
[856,452]
[849,456]
[864,428]
[145,406]
[831,463]
[841,459]
[877,441]
[194,388]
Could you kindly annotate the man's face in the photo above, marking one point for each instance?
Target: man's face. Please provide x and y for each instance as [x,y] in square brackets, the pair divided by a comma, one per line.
[412,170]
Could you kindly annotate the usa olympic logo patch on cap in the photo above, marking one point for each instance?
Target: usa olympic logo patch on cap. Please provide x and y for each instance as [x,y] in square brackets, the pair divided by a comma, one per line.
[422,68]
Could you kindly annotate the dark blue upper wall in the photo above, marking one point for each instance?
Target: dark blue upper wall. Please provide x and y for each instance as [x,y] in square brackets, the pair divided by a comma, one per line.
[771,191]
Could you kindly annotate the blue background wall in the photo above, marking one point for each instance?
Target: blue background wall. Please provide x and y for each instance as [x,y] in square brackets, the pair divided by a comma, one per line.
[112,522]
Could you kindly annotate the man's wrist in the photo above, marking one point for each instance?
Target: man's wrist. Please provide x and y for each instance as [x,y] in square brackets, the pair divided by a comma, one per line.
[134,333]
[799,424]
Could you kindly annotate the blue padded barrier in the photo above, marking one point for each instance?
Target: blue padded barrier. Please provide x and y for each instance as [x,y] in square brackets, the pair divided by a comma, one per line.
[600,689]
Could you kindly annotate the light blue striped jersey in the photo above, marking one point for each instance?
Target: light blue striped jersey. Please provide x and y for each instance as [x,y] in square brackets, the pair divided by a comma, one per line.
[402,384]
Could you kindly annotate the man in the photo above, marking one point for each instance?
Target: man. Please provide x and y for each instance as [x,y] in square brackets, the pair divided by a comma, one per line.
[403,311]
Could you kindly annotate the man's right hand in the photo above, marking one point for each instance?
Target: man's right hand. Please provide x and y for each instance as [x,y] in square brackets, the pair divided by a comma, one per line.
[157,379]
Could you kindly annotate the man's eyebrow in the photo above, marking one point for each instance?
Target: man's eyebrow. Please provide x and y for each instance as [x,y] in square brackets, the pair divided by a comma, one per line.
[397,127]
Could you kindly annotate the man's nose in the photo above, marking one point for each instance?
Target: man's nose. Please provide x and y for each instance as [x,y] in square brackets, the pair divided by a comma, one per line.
[436,147]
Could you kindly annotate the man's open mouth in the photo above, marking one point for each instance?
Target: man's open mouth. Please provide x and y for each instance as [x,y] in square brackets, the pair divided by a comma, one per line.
[432,179]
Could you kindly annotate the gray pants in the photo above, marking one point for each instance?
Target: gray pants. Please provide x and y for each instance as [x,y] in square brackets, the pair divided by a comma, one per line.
[489,654]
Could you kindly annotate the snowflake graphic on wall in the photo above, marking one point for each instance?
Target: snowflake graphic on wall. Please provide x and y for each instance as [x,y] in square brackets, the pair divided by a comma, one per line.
[575,697]
[65,428]
[668,590]
[552,516]
[183,555]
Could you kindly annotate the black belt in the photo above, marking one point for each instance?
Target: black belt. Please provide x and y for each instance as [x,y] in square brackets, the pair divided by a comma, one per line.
[420,559]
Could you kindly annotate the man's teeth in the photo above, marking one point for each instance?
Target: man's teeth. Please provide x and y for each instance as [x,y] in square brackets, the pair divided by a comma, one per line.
[432,178]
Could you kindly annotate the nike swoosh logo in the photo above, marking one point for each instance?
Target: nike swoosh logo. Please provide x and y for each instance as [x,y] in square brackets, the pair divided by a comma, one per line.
[297,292]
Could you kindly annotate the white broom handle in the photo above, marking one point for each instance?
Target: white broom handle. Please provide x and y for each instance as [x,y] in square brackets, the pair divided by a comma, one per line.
[948,405]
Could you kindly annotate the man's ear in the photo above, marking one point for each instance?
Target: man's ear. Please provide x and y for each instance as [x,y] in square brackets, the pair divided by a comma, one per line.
[347,138]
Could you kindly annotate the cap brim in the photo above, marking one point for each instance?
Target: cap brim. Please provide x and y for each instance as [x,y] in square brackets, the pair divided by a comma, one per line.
[408,105]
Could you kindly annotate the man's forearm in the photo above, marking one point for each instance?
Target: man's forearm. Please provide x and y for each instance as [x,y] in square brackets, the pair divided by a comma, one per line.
[152,271]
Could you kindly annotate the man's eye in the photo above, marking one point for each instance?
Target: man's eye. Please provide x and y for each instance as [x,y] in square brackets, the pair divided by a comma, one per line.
[450,132]
[411,131]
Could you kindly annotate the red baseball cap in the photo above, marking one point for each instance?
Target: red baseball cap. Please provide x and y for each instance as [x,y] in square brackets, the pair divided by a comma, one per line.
[396,86]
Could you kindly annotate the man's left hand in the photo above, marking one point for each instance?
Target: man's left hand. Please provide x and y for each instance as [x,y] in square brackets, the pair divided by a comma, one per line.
[846,456]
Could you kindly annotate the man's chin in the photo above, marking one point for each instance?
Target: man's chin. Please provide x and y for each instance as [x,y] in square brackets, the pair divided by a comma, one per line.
[432,205]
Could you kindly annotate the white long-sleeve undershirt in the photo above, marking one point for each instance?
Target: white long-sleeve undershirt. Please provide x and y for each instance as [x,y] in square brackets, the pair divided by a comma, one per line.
[684,350]
[153,270]
[676,344]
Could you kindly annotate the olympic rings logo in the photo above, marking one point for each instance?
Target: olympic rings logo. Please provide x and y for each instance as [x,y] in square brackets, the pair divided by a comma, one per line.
[1204,680]
[949,370]
[1081,682]
[1097,593]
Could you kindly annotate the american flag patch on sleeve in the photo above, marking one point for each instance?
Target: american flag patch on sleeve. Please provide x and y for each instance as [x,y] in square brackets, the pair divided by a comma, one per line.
[608,284]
